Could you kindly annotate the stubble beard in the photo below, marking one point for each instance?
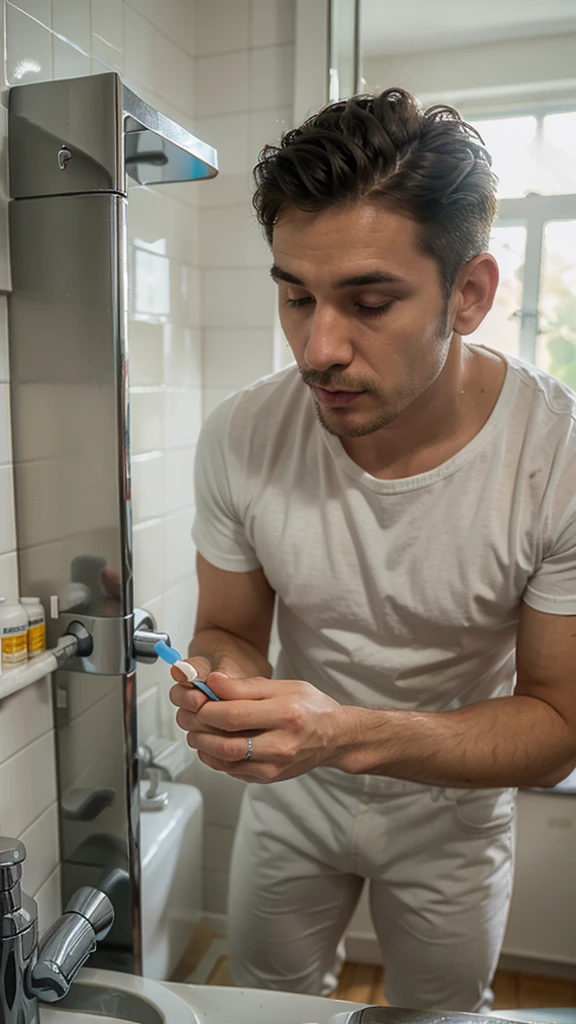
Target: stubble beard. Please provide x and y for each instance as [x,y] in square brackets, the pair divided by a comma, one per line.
[335,421]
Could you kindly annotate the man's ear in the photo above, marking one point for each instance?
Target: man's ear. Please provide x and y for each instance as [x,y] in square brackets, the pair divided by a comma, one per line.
[473,293]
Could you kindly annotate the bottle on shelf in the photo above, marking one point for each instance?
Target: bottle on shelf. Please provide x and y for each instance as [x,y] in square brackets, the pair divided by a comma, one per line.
[36,625]
[13,634]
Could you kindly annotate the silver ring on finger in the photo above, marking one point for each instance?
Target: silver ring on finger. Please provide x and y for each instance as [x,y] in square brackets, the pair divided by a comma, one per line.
[248,753]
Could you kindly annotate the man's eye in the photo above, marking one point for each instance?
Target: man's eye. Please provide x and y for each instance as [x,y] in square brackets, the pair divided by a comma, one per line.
[297,303]
[375,311]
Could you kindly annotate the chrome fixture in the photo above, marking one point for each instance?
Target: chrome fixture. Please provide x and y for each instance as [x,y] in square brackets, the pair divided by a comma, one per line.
[32,971]
[74,147]
[155,799]
[146,636]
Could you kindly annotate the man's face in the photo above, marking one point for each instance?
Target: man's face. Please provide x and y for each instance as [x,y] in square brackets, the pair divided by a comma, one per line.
[363,311]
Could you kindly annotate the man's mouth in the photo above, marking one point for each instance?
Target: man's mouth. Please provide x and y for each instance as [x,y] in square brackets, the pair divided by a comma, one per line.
[334,396]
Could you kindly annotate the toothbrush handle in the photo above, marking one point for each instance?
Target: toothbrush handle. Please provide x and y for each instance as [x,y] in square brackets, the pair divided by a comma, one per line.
[205,689]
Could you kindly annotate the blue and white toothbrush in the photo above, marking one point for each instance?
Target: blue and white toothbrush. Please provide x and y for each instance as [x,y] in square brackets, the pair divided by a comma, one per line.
[173,657]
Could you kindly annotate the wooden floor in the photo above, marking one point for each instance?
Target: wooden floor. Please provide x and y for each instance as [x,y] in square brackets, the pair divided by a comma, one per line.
[363,983]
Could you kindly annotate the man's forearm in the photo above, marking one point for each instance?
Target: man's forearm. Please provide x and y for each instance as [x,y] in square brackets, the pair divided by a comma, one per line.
[225,652]
[508,741]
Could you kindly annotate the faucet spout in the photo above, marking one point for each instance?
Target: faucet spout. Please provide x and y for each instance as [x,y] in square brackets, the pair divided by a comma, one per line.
[66,946]
[26,972]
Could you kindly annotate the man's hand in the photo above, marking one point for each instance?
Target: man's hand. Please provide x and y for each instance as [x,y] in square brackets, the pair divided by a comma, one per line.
[294,727]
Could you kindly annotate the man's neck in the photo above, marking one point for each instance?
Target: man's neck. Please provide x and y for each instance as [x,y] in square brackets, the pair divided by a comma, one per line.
[442,421]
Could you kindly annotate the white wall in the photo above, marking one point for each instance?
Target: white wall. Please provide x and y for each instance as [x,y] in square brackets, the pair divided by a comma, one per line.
[244,98]
[479,78]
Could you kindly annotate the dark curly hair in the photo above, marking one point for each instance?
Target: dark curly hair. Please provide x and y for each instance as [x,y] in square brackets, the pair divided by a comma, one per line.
[429,164]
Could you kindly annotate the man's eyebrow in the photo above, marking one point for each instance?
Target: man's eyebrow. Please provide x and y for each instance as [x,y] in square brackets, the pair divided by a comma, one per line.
[374,277]
[277,274]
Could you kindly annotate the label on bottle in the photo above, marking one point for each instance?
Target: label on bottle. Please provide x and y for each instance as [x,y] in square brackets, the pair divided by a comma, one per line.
[36,638]
[14,647]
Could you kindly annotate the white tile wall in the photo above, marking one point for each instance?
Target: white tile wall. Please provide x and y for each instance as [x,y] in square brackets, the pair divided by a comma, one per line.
[68,62]
[28,47]
[108,32]
[221,26]
[27,785]
[5,437]
[176,19]
[24,717]
[222,83]
[272,22]
[201,324]
[72,22]
[238,297]
[271,80]
[232,237]
[39,9]
[237,357]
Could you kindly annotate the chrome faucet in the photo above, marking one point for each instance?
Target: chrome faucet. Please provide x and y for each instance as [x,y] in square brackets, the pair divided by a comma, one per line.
[29,970]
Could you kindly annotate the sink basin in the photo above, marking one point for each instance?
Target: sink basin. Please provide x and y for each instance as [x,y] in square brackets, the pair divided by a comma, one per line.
[64,1017]
[109,997]
[217,1004]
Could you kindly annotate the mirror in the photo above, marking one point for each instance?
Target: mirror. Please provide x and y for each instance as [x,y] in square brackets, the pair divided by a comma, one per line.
[509,69]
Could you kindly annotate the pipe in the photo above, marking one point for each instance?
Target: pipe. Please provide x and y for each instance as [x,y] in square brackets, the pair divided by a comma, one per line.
[17,678]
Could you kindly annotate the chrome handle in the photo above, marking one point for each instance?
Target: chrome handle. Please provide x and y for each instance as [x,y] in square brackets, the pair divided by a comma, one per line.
[66,946]
[146,636]
[96,907]
[12,855]
[144,642]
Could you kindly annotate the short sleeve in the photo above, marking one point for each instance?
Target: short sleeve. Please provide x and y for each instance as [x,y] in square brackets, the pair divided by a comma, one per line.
[552,588]
[218,531]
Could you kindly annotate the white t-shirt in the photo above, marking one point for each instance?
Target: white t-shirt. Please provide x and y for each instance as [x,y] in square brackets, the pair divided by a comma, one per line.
[395,593]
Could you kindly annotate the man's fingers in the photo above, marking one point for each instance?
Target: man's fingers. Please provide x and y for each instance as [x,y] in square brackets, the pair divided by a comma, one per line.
[225,748]
[233,770]
[190,722]
[188,697]
[246,715]
[272,748]
[177,674]
[250,688]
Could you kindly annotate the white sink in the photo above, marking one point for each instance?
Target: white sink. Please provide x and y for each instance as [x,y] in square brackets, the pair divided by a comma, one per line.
[221,1005]
[49,1016]
[109,997]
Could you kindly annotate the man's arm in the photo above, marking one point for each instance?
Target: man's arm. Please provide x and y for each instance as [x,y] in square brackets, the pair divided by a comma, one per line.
[528,739]
[233,623]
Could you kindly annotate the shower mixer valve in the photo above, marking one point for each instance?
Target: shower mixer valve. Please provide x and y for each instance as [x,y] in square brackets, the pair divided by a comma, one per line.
[109,645]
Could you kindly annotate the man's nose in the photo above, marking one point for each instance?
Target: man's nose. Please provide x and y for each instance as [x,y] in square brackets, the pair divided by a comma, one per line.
[328,342]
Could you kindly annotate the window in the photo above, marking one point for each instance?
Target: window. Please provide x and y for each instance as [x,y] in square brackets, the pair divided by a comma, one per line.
[534,239]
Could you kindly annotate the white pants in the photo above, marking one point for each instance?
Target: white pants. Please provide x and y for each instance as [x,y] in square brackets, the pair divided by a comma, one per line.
[439,864]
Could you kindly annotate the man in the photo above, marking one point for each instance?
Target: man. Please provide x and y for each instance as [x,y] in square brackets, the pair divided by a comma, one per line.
[409,501]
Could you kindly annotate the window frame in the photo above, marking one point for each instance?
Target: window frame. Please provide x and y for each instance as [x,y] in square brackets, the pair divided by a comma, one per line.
[533,211]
